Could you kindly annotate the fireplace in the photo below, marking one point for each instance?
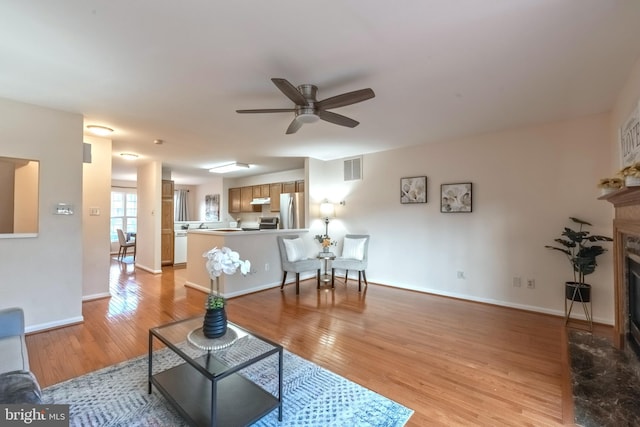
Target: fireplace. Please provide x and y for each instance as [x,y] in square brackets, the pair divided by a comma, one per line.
[626,258]
[633,297]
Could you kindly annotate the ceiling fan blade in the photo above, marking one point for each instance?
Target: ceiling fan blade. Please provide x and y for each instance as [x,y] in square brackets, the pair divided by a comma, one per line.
[346,99]
[268,110]
[290,91]
[294,126]
[337,119]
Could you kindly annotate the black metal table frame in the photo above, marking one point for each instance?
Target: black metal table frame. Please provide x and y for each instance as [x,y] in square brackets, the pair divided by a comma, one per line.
[213,378]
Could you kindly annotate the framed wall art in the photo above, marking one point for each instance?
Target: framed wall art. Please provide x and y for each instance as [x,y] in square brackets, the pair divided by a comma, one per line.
[413,190]
[456,197]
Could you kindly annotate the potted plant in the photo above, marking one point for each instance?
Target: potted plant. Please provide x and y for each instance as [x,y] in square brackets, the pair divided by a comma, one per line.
[582,253]
[631,175]
[609,185]
[219,260]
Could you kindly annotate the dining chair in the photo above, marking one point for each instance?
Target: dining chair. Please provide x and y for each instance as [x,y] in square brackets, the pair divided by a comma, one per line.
[125,245]
[354,256]
[293,257]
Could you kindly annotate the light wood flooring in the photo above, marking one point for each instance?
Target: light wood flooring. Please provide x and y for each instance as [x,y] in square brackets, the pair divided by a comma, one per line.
[453,362]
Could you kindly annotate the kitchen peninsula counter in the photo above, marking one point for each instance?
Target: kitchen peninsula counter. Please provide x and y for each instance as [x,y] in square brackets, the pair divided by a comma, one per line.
[260,247]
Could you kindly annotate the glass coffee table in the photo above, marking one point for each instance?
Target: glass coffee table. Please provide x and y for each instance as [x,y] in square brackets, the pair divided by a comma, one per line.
[201,377]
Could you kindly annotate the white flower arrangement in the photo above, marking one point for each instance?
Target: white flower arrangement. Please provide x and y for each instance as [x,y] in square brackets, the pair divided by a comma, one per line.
[222,260]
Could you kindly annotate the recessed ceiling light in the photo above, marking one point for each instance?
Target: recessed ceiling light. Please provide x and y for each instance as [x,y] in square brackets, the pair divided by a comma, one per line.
[129,156]
[229,168]
[100,130]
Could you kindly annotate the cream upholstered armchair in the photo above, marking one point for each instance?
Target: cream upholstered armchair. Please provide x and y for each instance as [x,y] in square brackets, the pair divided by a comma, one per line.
[355,250]
[293,257]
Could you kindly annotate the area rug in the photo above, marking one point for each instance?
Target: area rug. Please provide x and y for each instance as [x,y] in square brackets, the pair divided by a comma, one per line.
[312,396]
[605,382]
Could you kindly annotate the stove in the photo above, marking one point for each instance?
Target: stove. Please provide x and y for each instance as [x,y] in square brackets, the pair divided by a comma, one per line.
[268,223]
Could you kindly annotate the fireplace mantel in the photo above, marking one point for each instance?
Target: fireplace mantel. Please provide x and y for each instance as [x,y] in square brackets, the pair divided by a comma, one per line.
[626,223]
[626,196]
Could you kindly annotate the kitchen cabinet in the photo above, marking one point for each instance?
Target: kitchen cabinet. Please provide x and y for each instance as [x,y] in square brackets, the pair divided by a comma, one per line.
[274,193]
[166,235]
[300,186]
[246,196]
[289,187]
[261,191]
[234,200]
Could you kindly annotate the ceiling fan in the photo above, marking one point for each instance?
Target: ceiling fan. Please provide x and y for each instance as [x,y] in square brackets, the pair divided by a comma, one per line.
[309,110]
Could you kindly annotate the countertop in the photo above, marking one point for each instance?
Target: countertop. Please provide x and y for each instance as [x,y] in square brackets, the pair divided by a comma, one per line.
[240,232]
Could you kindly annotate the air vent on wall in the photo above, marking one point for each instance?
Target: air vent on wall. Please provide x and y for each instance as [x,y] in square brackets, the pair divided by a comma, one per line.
[353,169]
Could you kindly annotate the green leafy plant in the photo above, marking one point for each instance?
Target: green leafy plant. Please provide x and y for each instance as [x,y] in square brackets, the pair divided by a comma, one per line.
[578,246]
[214,302]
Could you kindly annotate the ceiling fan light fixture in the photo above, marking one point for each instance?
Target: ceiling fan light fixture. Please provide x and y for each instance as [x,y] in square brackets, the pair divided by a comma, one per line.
[307,118]
[100,130]
[231,167]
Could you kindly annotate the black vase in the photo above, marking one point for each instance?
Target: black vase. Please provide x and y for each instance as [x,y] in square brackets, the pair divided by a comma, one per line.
[581,294]
[215,323]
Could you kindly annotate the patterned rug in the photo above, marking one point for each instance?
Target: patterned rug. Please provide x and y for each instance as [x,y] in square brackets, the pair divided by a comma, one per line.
[312,396]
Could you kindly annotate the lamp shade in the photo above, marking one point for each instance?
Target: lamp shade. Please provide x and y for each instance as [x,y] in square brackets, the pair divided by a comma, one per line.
[327,210]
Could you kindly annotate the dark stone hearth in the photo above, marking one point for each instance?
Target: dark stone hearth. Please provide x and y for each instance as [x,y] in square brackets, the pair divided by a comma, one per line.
[605,382]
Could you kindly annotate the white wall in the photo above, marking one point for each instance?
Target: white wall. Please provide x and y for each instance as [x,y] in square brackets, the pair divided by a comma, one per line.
[148,235]
[96,194]
[43,275]
[526,184]
[628,99]
[214,186]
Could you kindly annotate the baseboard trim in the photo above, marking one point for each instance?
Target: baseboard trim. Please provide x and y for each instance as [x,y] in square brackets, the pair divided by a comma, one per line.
[42,327]
[491,301]
[96,296]
[148,269]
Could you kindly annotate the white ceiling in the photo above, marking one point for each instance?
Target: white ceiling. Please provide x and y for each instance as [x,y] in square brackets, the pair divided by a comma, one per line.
[441,69]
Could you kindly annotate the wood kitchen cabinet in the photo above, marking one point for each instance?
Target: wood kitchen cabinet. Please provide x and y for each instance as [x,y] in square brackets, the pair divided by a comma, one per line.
[234,200]
[300,186]
[289,187]
[274,193]
[261,191]
[256,190]
[246,196]
[167,234]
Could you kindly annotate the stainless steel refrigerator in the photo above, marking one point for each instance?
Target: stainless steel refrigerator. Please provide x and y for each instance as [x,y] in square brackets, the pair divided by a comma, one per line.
[292,210]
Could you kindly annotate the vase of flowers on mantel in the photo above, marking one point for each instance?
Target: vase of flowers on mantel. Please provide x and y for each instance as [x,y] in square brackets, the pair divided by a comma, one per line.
[219,261]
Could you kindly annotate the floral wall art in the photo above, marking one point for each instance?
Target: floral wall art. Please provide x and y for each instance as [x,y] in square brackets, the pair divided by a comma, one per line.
[413,190]
[455,197]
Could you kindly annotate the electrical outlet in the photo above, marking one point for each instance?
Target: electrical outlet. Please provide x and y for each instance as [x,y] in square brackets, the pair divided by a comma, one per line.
[517,282]
[460,274]
[531,283]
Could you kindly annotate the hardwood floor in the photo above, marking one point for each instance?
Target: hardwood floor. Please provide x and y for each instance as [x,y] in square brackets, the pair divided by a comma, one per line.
[453,362]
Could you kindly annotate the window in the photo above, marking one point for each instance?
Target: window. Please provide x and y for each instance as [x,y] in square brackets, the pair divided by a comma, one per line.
[124,212]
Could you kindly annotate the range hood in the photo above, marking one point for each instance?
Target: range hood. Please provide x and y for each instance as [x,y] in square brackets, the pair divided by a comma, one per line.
[261,201]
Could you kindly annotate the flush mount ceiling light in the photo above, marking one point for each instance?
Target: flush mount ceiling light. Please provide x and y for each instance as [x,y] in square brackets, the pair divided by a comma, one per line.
[100,130]
[129,156]
[229,168]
